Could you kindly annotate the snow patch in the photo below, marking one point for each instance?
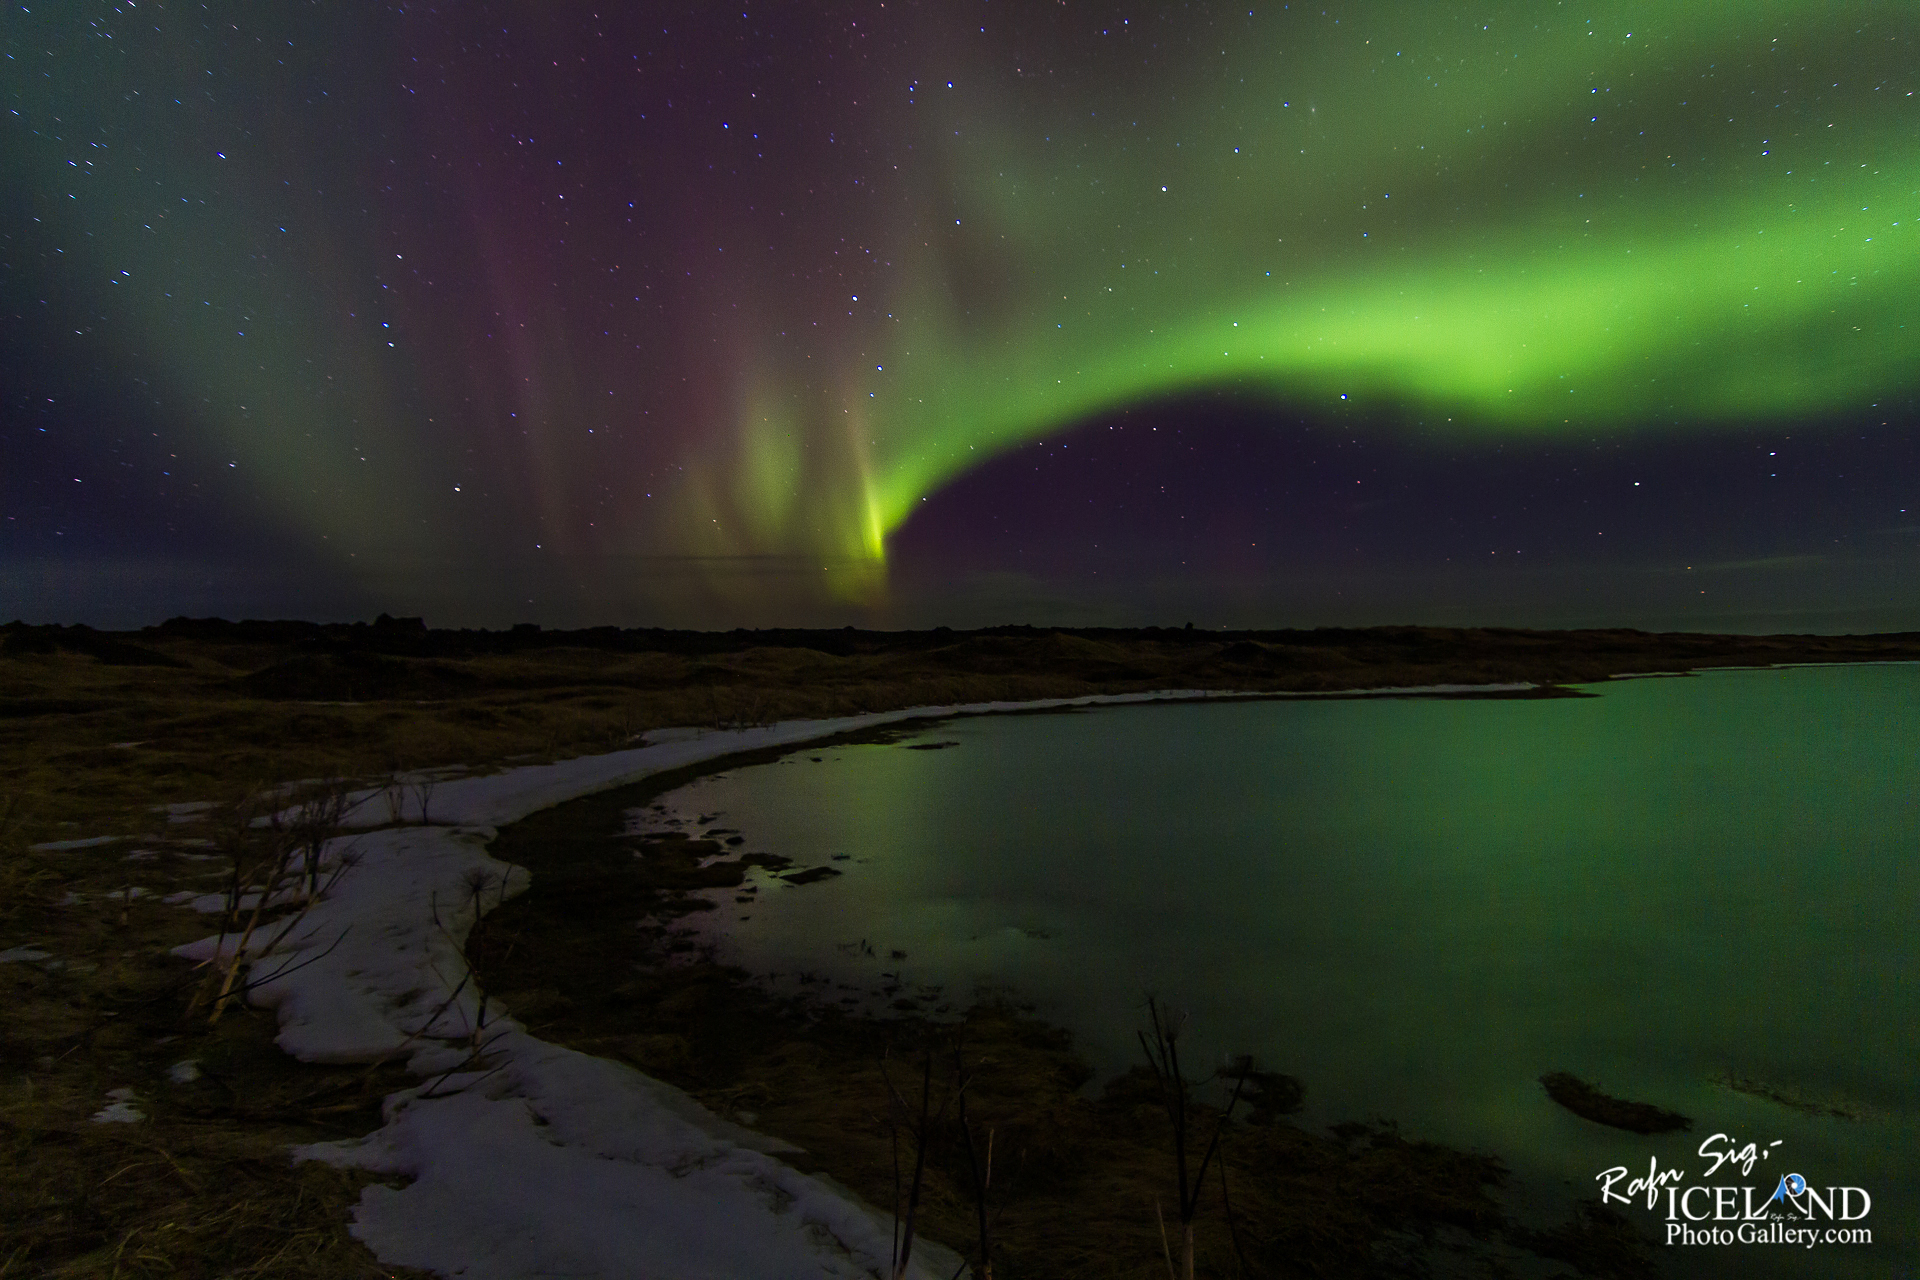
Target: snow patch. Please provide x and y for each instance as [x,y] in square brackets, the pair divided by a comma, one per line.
[119,1109]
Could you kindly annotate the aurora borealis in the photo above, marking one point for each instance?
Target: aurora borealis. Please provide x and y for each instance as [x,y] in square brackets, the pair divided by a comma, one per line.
[756,313]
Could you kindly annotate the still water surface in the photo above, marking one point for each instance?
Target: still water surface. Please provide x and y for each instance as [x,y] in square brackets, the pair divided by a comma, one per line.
[1420,906]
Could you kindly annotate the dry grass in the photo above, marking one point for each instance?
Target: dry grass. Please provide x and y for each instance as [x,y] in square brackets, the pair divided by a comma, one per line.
[203,1185]
[172,1198]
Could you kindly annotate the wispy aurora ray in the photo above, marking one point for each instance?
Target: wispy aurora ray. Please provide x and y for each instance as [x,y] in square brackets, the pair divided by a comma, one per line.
[1625,217]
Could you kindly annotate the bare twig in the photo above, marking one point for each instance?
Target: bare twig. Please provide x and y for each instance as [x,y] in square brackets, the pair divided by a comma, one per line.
[282,972]
[422,788]
[1164,1247]
[477,881]
[474,1058]
[922,1132]
[415,1035]
[1213,1145]
[903,1249]
[1233,1225]
[982,1178]
[1163,1057]
[287,868]
[279,855]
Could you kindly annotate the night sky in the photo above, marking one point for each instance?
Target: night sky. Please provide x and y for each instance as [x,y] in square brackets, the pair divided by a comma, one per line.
[963,312]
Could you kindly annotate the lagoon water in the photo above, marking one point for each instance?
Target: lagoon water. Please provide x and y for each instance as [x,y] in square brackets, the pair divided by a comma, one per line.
[1419,906]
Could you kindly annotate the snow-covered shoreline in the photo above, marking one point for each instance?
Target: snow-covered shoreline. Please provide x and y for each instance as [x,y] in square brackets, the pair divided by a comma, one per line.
[526,1158]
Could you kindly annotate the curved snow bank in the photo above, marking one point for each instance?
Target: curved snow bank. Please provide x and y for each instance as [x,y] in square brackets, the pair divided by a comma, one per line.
[527,1159]
[530,1159]
[500,798]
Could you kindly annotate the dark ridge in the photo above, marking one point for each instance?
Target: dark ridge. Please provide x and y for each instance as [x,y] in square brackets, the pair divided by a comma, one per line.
[102,647]
[1265,648]
[404,659]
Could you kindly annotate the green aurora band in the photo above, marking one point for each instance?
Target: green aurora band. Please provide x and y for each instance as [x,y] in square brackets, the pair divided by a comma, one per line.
[1538,220]
[1630,219]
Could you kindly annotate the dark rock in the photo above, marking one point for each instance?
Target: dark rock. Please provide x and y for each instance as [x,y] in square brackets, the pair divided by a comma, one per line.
[1587,1102]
